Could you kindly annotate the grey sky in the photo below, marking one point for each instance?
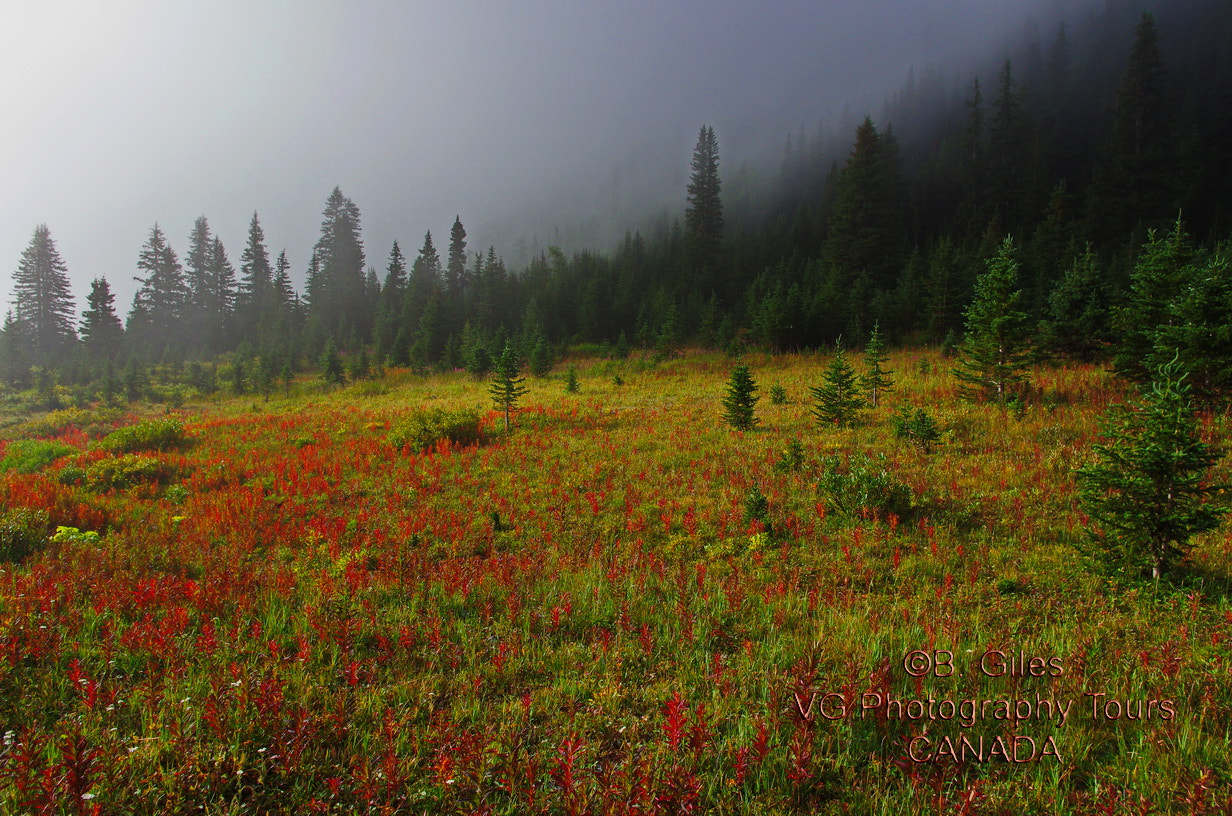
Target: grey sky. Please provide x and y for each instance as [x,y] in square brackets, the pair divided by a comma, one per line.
[120,114]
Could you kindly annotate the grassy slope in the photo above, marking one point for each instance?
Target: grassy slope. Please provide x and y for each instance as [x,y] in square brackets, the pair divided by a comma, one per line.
[579,617]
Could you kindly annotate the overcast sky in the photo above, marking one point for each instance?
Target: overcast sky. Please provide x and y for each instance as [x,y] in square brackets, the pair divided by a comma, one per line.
[122,114]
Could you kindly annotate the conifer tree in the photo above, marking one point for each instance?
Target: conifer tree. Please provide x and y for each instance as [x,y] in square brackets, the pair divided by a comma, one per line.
[255,302]
[740,400]
[1163,270]
[508,386]
[996,349]
[876,379]
[42,297]
[837,401]
[1148,491]
[571,381]
[158,307]
[704,215]
[331,364]
[101,329]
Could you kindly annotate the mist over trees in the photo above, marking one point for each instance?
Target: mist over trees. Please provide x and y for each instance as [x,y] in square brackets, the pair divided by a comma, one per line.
[1110,173]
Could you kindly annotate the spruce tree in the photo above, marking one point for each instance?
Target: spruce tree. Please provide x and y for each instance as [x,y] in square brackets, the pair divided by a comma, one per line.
[876,379]
[331,364]
[704,215]
[740,400]
[837,401]
[158,307]
[1163,270]
[508,386]
[42,297]
[101,329]
[996,349]
[1148,492]
[571,381]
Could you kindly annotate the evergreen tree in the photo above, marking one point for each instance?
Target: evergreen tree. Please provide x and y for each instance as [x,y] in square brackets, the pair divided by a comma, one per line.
[837,401]
[158,306]
[571,381]
[15,348]
[455,271]
[704,214]
[256,305]
[997,348]
[1198,329]
[740,400]
[101,329]
[876,379]
[866,226]
[1134,184]
[336,287]
[42,298]
[331,364]
[221,300]
[197,280]
[508,386]
[1078,311]
[1149,492]
[1164,269]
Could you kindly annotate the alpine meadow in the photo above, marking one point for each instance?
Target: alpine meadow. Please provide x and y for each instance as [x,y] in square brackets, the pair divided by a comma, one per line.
[885,473]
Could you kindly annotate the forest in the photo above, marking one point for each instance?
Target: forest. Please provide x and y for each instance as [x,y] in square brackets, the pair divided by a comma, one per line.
[1091,163]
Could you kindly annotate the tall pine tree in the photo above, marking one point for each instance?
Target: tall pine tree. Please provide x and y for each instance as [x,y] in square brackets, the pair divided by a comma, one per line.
[703,217]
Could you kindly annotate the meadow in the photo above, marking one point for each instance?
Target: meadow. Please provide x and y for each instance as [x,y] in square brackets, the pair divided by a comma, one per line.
[621,605]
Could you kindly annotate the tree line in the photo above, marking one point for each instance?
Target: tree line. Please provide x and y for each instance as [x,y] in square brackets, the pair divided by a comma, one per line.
[894,235]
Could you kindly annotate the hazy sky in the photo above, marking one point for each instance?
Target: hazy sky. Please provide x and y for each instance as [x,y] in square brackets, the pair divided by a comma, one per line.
[122,114]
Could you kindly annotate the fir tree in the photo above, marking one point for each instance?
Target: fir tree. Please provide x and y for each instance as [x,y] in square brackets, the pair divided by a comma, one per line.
[1148,492]
[740,400]
[508,386]
[1163,270]
[101,329]
[331,364]
[158,307]
[42,297]
[876,379]
[837,401]
[997,348]
[704,214]
[571,381]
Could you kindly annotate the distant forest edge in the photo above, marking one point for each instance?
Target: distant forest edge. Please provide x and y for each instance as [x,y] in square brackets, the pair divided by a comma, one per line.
[1108,166]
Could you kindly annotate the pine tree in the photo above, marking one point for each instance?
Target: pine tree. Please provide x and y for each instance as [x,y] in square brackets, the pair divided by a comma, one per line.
[837,401]
[101,329]
[997,347]
[740,400]
[221,301]
[42,297]
[571,381]
[197,279]
[876,379]
[704,215]
[455,270]
[1078,310]
[508,386]
[1149,492]
[1198,329]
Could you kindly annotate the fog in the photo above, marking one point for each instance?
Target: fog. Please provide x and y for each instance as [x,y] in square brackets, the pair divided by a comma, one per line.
[516,115]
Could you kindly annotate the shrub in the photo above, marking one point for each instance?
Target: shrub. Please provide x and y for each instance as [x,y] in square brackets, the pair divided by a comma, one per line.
[423,429]
[152,435]
[22,532]
[778,394]
[864,487]
[739,402]
[32,455]
[122,472]
[757,508]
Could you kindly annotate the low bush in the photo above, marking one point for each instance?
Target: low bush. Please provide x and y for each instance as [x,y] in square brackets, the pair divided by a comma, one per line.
[423,429]
[917,427]
[22,532]
[32,455]
[122,472]
[864,487]
[151,435]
